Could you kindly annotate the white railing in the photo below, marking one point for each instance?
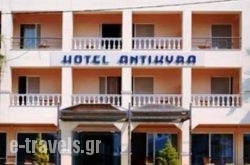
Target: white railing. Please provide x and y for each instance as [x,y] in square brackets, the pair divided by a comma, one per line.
[216,100]
[96,43]
[113,99]
[161,43]
[35,99]
[143,99]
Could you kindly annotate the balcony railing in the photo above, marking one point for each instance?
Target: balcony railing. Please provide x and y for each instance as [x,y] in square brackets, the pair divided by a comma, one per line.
[216,100]
[215,43]
[37,43]
[97,43]
[157,43]
[96,99]
[35,99]
[143,99]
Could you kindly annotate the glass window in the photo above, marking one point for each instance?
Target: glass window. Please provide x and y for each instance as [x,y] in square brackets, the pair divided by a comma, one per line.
[156,141]
[246,148]
[30,35]
[217,148]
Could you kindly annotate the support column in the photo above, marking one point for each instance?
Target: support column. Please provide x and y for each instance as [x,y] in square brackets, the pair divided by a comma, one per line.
[125,141]
[67,86]
[7,29]
[186,87]
[127,34]
[185,143]
[126,86]
[187,30]
[67,31]
[66,136]
[10,157]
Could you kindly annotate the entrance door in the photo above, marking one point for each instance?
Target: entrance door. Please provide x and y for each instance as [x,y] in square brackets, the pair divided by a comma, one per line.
[221,36]
[107,152]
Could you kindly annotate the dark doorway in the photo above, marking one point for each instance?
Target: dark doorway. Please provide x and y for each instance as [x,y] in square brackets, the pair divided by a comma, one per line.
[111,31]
[107,152]
[138,148]
[2,148]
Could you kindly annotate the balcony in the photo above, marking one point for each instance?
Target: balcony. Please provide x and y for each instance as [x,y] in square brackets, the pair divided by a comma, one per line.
[216,43]
[37,30]
[216,31]
[41,100]
[216,100]
[37,43]
[157,43]
[114,99]
[97,43]
[144,99]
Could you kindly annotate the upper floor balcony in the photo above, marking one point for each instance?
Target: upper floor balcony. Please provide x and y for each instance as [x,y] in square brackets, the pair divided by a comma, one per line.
[150,31]
[210,87]
[37,31]
[216,31]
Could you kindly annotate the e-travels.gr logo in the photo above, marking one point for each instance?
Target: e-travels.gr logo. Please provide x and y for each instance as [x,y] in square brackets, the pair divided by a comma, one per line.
[53,146]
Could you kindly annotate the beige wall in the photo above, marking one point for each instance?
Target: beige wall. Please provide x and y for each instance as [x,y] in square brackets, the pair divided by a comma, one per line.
[87,80]
[166,25]
[51,24]
[50,79]
[166,81]
[202,23]
[201,79]
[89,25]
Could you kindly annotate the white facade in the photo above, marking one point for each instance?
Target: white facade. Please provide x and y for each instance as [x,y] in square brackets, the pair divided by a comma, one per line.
[157,52]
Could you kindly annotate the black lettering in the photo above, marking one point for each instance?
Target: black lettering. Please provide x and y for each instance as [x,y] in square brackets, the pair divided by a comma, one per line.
[78,59]
[179,60]
[67,59]
[191,59]
[123,60]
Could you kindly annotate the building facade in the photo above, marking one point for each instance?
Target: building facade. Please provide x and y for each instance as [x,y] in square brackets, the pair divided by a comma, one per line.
[129,74]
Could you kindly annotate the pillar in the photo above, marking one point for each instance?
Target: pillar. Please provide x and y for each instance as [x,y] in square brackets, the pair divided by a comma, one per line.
[126,86]
[187,30]
[186,87]
[67,86]
[67,31]
[127,34]
[185,143]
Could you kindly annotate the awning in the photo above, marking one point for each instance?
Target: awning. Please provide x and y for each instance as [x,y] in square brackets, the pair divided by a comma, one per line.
[160,113]
[92,112]
[108,112]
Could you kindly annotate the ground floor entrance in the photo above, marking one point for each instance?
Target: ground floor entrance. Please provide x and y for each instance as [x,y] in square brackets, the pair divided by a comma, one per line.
[98,148]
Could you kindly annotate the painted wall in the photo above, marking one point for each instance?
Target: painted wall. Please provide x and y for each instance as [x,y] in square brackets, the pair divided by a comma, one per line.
[89,25]
[201,79]
[51,24]
[165,25]
[50,79]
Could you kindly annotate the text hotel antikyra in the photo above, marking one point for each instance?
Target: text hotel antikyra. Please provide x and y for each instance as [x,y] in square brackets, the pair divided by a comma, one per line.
[79,59]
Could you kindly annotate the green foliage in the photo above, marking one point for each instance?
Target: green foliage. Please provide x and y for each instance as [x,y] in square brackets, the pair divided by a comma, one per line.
[41,155]
[168,155]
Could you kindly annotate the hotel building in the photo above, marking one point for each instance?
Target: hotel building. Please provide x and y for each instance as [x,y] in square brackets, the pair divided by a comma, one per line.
[132,74]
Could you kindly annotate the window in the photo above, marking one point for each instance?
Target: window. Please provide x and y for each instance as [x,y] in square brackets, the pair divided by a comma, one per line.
[25,154]
[141,31]
[156,141]
[144,30]
[110,85]
[246,145]
[30,36]
[217,147]
[143,85]
[222,36]
[28,84]
[111,31]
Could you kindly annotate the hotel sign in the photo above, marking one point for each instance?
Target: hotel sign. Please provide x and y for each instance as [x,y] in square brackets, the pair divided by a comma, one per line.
[132,59]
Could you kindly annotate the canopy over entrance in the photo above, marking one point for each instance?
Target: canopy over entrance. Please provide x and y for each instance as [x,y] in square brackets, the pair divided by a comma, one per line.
[108,112]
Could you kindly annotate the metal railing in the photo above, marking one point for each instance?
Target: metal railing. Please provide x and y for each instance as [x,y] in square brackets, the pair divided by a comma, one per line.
[36,43]
[216,43]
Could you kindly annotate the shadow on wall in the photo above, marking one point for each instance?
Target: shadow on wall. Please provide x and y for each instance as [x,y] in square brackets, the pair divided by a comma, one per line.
[246,88]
